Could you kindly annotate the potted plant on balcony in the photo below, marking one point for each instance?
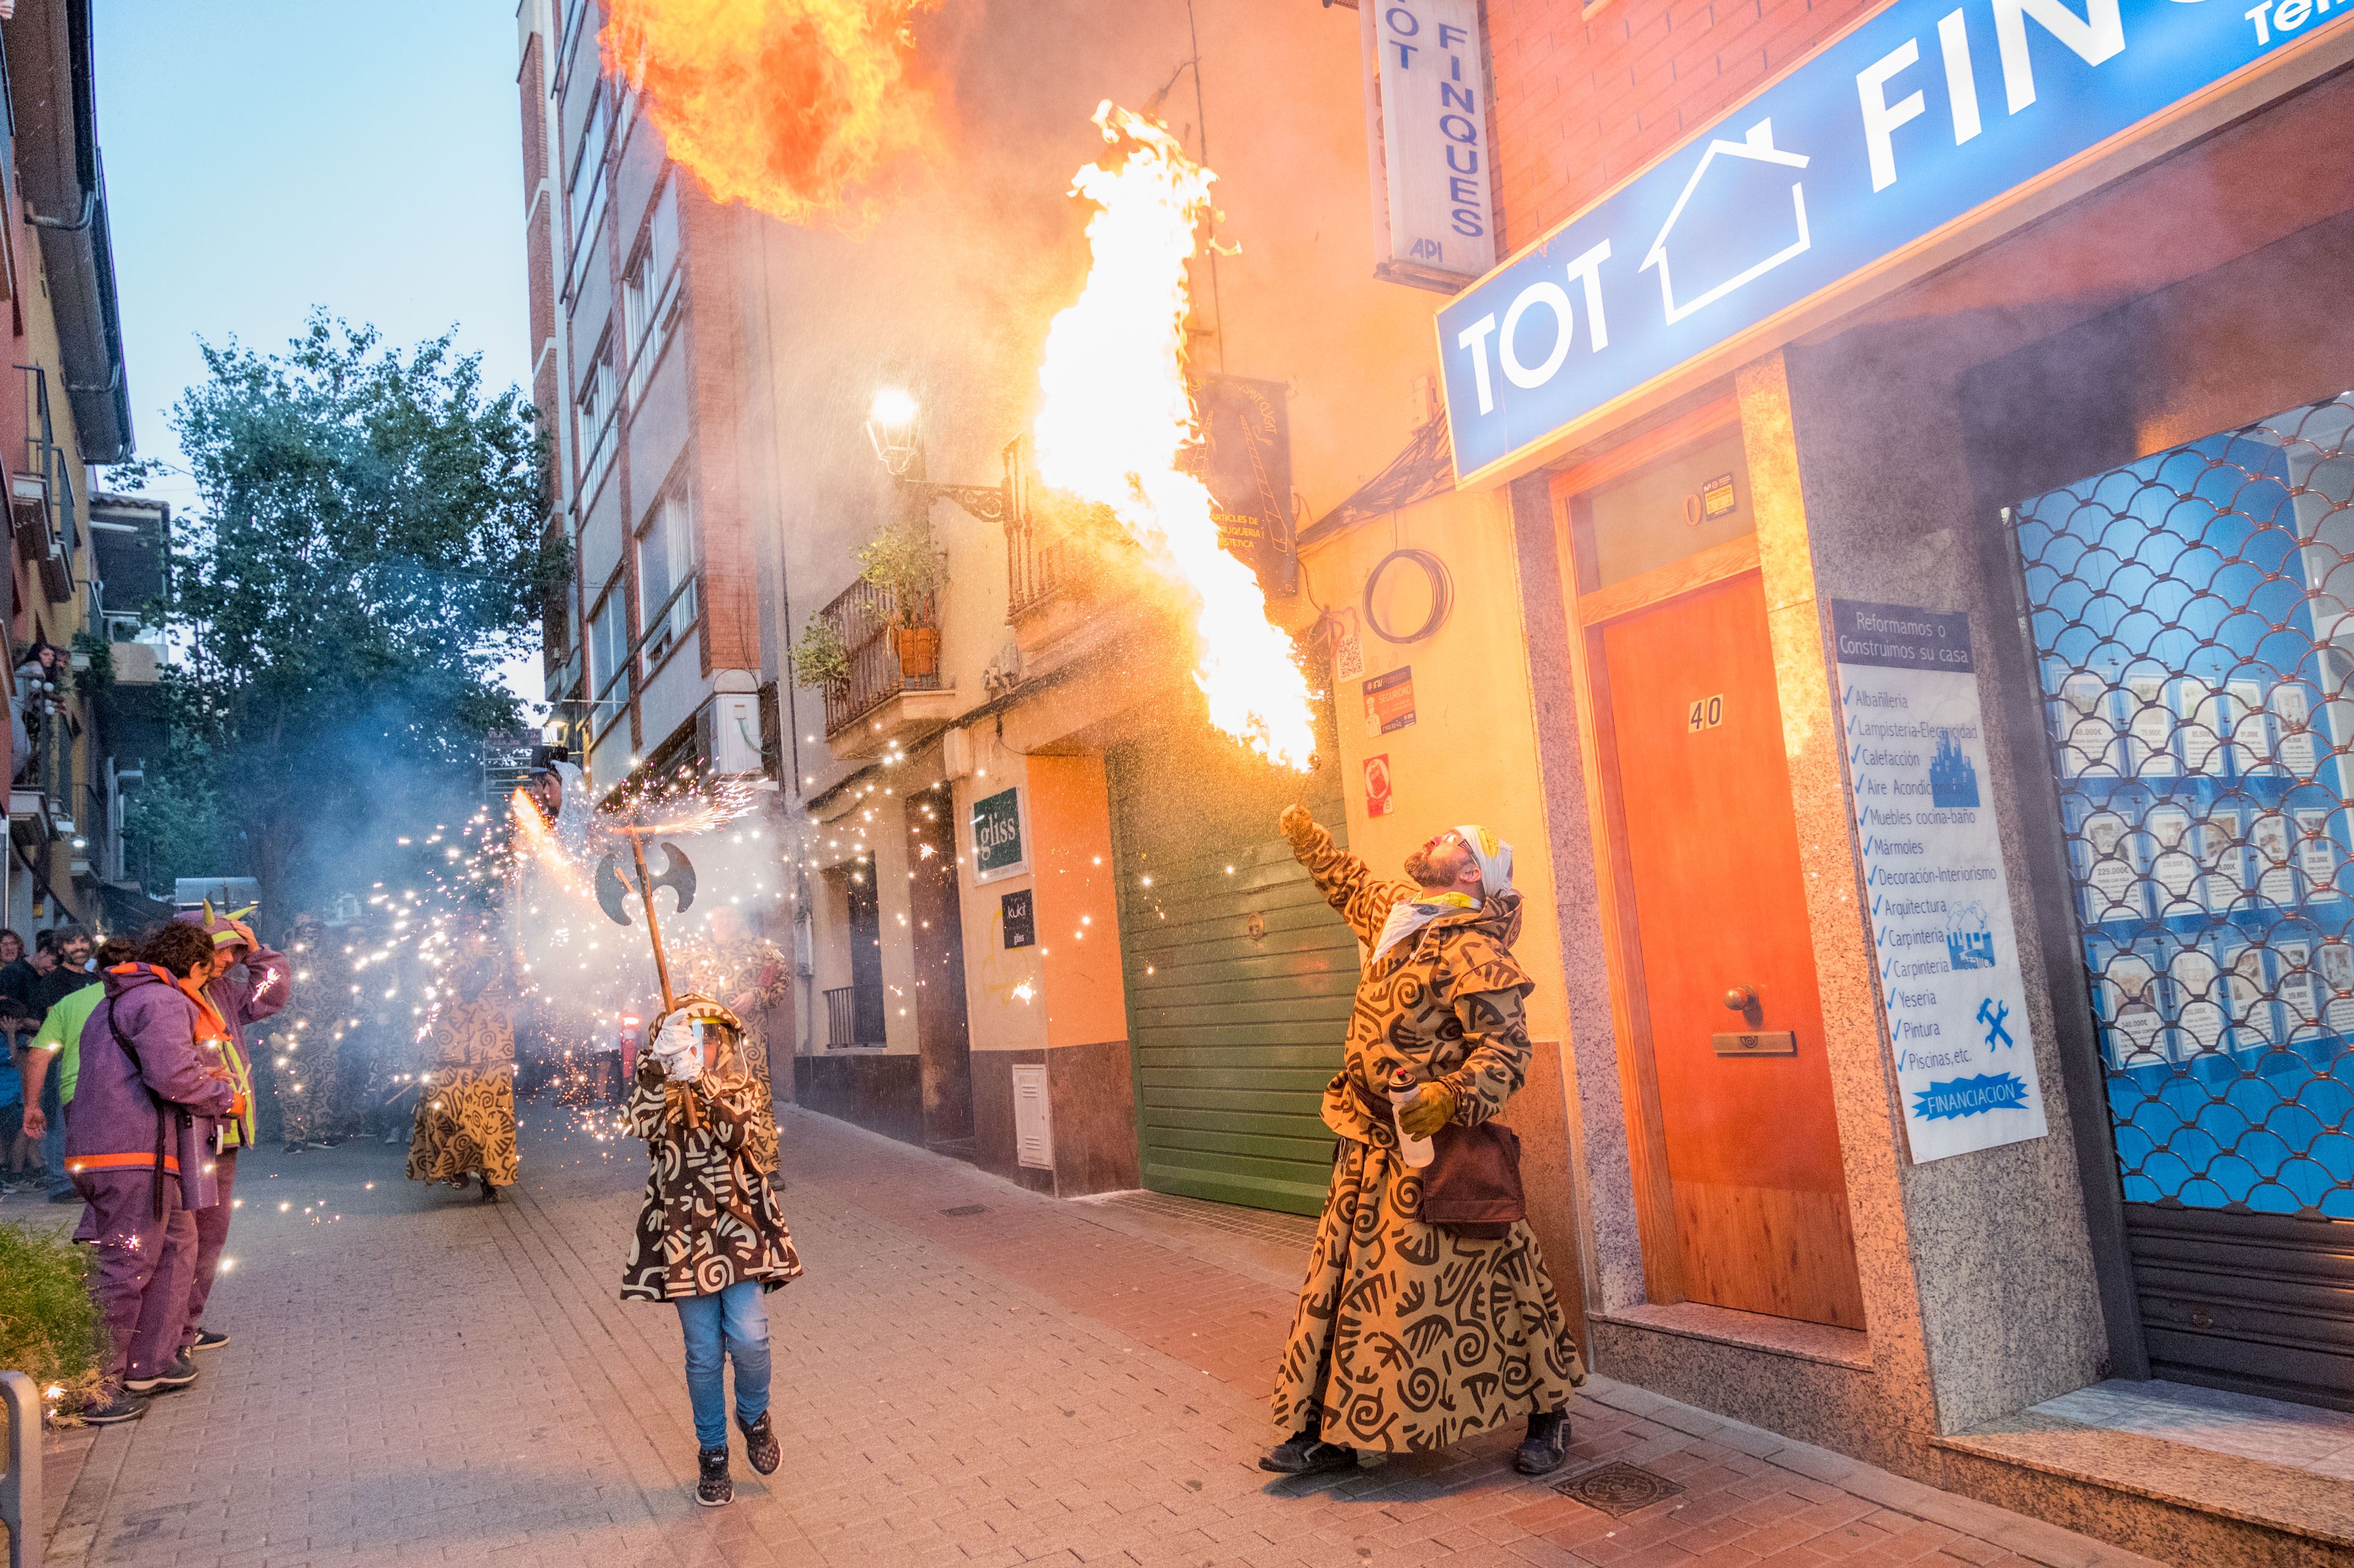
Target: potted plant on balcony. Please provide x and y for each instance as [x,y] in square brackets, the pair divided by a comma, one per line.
[902,562]
[820,658]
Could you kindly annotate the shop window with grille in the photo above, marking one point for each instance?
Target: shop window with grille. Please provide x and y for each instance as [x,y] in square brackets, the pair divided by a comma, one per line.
[2192,615]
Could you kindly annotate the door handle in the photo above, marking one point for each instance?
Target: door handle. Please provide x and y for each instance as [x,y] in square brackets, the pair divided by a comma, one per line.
[1740,999]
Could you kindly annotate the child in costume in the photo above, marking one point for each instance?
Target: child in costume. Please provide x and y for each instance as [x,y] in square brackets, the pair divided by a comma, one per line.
[712,1237]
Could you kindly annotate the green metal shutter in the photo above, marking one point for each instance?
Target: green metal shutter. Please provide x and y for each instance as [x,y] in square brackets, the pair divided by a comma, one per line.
[1233,1035]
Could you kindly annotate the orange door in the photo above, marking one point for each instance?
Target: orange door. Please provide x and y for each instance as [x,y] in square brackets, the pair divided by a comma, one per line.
[1712,852]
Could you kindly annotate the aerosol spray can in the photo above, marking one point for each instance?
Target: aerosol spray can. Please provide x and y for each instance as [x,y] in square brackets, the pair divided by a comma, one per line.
[1415,1150]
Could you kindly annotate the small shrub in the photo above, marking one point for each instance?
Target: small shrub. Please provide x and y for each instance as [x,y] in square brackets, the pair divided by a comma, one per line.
[49,1328]
[820,658]
[903,561]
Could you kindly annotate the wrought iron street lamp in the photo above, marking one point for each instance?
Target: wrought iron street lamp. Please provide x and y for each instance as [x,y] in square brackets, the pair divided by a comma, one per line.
[893,429]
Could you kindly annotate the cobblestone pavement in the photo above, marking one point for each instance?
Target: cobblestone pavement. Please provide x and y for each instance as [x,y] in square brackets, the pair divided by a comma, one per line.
[967,1374]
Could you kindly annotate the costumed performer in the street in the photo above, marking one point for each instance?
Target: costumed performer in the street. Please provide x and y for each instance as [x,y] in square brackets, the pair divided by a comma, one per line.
[250,981]
[711,1238]
[1411,1335]
[306,1055]
[465,1124]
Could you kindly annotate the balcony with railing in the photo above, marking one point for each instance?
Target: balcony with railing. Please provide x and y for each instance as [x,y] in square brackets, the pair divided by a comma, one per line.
[40,494]
[1063,558]
[854,1017]
[893,686]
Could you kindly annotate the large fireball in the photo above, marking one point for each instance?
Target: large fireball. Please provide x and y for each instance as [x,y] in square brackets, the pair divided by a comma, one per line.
[795,107]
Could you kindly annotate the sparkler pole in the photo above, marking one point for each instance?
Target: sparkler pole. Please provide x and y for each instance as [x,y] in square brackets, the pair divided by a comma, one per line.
[654,926]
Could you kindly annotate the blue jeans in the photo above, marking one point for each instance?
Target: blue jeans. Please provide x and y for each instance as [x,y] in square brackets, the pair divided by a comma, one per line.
[53,1142]
[735,1321]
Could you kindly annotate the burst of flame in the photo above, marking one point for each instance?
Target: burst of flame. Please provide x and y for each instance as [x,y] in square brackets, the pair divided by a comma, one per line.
[795,107]
[1117,413]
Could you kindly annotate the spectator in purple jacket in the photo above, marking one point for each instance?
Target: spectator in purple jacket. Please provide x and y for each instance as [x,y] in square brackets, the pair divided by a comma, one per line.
[248,984]
[141,1150]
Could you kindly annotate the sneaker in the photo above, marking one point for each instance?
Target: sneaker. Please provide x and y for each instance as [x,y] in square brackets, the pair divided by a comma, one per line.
[295,1145]
[490,1193]
[712,1487]
[119,1406]
[760,1444]
[178,1376]
[210,1340]
[67,1196]
[1306,1454]
[1547,1447]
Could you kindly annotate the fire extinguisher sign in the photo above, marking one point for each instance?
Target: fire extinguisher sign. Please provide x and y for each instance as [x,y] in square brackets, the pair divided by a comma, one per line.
[1378,800]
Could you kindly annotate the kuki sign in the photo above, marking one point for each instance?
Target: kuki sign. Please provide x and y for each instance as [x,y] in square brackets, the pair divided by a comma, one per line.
[1915,120]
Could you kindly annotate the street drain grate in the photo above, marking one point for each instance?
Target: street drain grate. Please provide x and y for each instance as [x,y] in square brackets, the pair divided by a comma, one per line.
[1618,1488]
[966,1211]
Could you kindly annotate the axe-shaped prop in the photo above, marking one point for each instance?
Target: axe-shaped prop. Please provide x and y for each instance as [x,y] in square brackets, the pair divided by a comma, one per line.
[614,892]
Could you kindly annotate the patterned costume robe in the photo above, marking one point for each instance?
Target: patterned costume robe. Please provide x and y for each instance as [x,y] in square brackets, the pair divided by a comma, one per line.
[1408,1337]
[465,1115]
[711,1219]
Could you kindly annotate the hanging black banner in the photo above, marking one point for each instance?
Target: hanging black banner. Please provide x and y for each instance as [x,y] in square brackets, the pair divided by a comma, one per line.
[1245,462]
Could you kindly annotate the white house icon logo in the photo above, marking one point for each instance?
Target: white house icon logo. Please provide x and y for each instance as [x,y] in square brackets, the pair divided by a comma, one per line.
[1732,220]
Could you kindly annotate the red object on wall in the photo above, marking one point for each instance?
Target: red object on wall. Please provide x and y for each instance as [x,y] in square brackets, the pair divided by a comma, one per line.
[1378,800]
[634,1039]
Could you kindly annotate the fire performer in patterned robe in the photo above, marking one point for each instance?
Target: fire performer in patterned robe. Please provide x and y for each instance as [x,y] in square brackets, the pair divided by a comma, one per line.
[465,1111]
[1412,1336]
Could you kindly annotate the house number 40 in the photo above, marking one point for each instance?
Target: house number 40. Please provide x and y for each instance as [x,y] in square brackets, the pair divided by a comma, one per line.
[1707,713]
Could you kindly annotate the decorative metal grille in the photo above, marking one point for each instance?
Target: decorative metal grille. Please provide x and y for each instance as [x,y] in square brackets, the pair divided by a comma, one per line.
[2193,619]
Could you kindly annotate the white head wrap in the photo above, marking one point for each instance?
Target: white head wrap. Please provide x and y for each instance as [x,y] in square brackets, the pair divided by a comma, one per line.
[1494,858]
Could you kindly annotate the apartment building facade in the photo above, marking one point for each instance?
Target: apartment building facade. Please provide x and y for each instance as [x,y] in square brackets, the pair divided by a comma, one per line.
[79,663]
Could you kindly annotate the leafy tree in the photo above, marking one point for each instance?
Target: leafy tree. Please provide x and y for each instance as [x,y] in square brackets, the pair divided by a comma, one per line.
[370,546]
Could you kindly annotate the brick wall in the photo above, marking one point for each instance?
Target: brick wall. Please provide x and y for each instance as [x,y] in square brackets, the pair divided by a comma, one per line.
[714,332]
[539,232]
[1583,101]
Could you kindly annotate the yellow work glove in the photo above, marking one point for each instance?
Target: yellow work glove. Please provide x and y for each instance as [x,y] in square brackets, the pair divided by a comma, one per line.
[1296,825]
[1432,1108]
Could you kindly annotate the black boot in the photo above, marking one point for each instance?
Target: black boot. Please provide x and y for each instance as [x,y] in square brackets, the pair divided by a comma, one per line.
[1305,1452]
[1547,1447]
[712,1488]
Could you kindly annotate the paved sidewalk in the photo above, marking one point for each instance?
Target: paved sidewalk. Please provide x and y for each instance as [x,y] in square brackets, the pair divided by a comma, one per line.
[969,1375]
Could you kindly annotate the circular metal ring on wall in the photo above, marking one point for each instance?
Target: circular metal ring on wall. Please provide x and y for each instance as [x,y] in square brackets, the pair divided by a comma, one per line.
[1442,594]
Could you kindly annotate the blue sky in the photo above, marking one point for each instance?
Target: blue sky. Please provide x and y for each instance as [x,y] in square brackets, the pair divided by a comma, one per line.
[266,156]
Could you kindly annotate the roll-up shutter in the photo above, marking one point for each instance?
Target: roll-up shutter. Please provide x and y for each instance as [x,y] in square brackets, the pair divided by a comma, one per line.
[1239,976]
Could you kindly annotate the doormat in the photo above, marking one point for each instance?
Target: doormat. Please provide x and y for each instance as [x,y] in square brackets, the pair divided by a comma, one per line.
[1618,1488]
[966,1211]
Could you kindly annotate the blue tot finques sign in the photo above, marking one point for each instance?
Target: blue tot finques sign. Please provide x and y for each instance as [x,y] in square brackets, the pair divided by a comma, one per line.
[1919,117]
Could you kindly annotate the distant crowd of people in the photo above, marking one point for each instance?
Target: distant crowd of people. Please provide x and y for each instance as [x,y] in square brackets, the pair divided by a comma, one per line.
[131,1074]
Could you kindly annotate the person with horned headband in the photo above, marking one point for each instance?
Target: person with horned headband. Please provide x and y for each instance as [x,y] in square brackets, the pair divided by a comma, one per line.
[250,981]
[465,1124]
[1426,1315]
[711,1238]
